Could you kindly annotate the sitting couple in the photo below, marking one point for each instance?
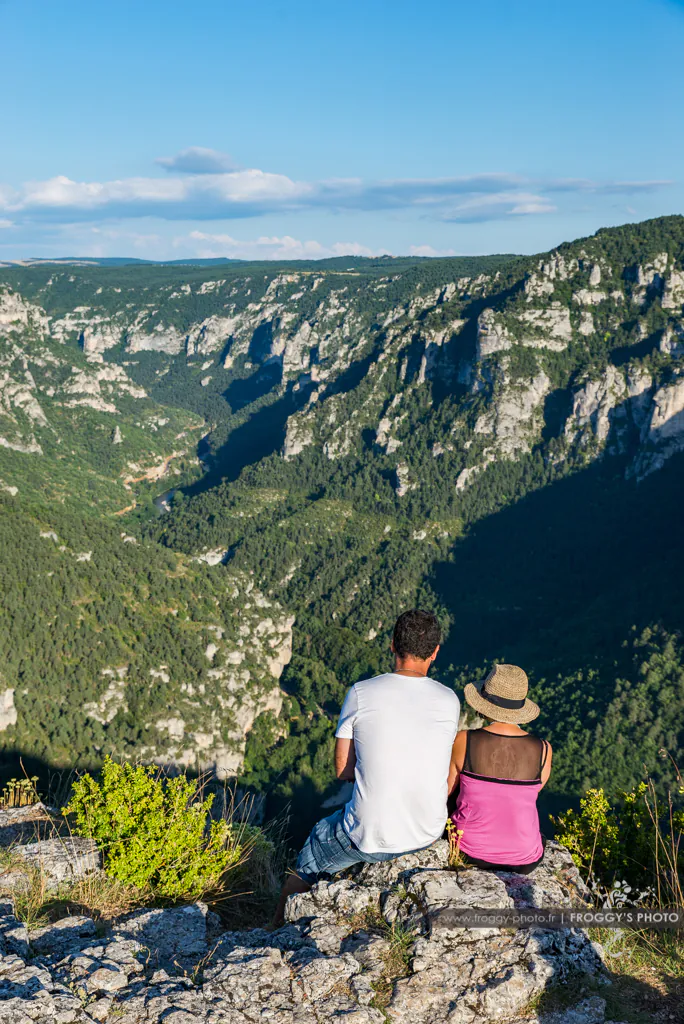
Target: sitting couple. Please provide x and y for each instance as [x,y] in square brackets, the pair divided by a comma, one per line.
[398,740]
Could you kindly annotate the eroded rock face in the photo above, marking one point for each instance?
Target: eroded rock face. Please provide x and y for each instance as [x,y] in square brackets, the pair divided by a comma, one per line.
[327,963]
[18,314]
[594,402]
[673,291]
[8,712]
[589,297]
[492,336]
[403,482]
[515,417]
[298,437]
[607,407]
[546,328]
[210,335]
[663,433]
[161,339]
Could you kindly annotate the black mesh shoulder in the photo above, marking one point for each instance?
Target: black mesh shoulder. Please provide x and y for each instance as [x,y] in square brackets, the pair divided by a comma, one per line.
[504,757]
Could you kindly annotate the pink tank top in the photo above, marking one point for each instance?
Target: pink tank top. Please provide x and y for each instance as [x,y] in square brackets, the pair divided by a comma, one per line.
[496,808]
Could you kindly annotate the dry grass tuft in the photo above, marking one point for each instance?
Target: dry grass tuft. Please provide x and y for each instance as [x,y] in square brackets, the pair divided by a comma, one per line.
[396,962]
[246,896]
[37,902]
[96,895]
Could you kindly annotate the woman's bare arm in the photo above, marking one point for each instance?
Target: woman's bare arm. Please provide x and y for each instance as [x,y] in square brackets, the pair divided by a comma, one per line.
[345,760]
[457,759]
[546,770]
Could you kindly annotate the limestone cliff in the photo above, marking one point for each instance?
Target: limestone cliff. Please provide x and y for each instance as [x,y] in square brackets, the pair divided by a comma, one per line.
[512,338]
[61,403]
[532,340]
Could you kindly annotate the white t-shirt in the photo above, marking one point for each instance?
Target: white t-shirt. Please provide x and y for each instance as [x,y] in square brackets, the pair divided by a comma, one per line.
[403,729]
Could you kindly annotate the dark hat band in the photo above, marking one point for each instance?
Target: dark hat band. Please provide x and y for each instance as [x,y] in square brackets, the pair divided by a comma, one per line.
[503,702]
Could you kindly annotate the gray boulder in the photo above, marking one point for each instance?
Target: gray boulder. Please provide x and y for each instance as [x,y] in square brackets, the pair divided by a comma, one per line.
[59,860]
[63,937]
[173,938]
[13,933]
[24,824]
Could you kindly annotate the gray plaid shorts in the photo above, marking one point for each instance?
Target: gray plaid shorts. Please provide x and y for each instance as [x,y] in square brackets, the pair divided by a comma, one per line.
[329,850]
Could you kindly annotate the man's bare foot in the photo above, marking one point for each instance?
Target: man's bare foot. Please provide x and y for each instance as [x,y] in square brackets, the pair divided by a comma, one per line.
[293,885]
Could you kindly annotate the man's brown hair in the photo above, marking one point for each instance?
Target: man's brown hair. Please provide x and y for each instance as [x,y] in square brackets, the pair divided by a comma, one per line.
[416,633]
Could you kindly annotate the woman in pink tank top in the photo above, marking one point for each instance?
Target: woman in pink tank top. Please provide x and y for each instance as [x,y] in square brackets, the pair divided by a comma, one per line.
[501,770]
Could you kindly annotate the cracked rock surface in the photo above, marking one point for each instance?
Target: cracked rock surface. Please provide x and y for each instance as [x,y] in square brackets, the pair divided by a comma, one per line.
[331,961]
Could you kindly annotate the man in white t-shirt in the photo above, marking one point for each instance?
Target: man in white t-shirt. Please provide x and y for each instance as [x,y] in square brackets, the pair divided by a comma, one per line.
[394,740]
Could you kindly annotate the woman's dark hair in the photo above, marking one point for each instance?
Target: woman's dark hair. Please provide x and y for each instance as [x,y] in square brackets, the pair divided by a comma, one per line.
[416,633]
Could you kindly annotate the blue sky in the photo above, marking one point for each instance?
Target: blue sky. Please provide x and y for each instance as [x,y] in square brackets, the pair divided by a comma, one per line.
[273,129]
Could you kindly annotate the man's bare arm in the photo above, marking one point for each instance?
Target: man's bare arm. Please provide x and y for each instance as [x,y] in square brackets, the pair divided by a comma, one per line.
[345,760]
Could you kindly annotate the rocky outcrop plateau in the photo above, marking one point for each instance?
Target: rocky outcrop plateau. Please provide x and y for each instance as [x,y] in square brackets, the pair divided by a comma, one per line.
[334,960]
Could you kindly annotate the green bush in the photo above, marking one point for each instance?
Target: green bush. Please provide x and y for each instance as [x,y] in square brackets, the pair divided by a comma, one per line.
[632,840]
[155,833]
[607,841]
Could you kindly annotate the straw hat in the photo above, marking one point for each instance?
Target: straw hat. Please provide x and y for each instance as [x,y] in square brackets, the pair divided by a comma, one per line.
[503,696]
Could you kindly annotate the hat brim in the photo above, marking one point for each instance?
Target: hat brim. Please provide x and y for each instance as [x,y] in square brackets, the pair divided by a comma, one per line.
[514,716]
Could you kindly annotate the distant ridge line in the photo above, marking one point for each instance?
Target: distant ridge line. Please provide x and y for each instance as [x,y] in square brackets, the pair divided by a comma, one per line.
[124,261]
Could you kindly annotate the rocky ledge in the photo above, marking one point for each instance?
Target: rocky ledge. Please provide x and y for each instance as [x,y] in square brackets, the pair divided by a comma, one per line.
[335,959]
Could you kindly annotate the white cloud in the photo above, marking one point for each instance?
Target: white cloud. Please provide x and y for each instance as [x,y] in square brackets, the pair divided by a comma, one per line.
[606,187]
[198,160]
[533,206]
[201,194]
[498,204]
[6,223]
[355,249]
[211,246]
[240,193]
[63,193]
[427,250]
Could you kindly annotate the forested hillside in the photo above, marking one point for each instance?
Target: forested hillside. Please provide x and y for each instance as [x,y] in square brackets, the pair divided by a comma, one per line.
[112,643]
[497,438]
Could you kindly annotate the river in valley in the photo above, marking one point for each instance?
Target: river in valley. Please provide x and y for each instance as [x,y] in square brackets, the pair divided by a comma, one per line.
[163,501]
